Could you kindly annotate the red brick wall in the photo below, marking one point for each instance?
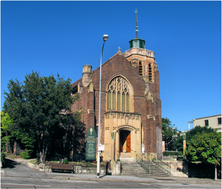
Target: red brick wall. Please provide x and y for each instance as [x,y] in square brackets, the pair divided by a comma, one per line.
[119,65]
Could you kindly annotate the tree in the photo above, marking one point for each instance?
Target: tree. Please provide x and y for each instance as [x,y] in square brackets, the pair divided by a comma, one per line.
[9,134]
[39,106]
[170,134]
[205,147]
[198,129]
[6,120]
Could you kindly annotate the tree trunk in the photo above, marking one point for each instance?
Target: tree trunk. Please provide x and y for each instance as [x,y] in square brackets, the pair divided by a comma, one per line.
[15,148]
[215,172]
[43,152]
[43,149]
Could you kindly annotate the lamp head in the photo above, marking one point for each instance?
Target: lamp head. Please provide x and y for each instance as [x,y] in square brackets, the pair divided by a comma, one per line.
[105,37]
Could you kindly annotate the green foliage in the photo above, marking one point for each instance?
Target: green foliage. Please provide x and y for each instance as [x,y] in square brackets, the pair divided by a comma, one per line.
[205,147]
[189,135]
[27,154]
[6,121]
[170,134]
[198,129]
[3,159]
[14,133]
[6,137]
[38,107]
[171,153]
[64,161]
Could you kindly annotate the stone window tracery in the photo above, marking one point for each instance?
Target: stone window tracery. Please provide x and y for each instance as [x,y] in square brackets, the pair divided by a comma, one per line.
[118,96]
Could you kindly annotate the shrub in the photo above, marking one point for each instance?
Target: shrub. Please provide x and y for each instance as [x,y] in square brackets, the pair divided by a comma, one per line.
[63,161]
[171,153]
[27,154]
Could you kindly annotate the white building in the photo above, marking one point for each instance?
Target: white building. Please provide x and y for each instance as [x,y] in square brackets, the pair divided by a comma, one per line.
[211,121]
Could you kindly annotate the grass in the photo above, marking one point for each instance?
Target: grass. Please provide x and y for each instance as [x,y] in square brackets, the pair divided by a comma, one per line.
[34,161]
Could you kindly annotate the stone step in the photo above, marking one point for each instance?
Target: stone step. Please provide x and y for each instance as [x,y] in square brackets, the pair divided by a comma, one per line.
[133,168]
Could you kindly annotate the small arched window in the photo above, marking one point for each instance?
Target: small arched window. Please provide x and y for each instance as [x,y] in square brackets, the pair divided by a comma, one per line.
[150,72]
[140,68]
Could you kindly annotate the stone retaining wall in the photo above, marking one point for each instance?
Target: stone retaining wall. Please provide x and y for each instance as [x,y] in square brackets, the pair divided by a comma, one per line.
[178,168]
[77,169]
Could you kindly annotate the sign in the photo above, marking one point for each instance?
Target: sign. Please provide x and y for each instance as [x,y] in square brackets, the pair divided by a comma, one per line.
[112,135]
[91,144]
[101,147]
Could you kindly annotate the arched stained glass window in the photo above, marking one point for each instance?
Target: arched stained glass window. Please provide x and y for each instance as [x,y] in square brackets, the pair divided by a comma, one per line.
[118,95]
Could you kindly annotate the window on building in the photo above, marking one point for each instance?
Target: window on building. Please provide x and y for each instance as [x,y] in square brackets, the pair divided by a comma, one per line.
[114,100]
[127,102]
[140,68]
[109,100]
[118,101]
[150,73]
[206,122]
[219,121]
[118,95]
[75,90]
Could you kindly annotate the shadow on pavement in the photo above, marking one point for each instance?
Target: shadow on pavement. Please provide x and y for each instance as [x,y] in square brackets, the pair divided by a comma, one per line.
[10,163]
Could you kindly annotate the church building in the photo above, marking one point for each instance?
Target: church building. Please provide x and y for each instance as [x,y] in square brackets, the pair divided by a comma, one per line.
[130,103]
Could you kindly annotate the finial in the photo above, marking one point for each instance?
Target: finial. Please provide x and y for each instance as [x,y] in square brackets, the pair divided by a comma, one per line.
[136,24]
[119,48]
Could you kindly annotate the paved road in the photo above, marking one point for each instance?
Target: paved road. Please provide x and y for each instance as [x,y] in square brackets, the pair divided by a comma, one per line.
[21,176]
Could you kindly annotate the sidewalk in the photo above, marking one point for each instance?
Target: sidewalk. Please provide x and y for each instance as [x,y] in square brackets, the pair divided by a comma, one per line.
[151,179]
[121,178]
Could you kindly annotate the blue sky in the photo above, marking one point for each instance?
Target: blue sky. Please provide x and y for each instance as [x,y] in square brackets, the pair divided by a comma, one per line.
[61,37]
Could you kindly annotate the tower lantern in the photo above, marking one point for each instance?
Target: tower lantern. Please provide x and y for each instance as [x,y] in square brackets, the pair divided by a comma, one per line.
[137,42]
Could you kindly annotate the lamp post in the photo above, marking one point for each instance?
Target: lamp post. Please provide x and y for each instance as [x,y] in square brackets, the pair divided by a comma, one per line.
[105,37]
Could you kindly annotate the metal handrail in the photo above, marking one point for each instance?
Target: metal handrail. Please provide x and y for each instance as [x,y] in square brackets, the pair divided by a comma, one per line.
[140,161]
[130,148]
[163,165]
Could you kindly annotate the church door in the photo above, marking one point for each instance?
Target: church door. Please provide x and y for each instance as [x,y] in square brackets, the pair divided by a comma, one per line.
[128,142]
[125,141]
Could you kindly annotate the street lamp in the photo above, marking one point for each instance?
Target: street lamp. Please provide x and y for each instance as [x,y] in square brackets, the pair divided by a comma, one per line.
[105,37]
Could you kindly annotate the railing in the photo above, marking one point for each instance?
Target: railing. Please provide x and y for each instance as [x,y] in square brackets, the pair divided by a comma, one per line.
[140,161]
[131,148]
[163,165]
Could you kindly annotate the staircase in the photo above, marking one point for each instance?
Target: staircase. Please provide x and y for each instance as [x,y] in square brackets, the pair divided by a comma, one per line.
[155,170]
[134,169]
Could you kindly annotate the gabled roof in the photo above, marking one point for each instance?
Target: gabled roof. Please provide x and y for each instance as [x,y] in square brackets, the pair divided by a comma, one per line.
[77,82]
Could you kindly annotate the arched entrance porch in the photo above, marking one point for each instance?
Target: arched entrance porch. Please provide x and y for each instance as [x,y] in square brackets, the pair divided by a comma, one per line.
[122,135]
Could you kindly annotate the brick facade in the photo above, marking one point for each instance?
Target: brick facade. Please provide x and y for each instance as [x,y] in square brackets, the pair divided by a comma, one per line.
[144,115]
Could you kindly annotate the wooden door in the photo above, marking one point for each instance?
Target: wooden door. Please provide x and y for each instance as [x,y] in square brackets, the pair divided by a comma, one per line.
[128,141]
